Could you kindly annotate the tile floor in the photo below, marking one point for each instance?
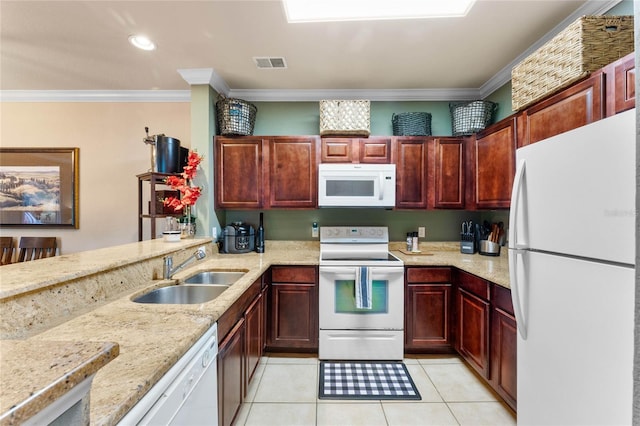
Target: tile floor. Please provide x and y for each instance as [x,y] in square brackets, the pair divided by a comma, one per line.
[284,391]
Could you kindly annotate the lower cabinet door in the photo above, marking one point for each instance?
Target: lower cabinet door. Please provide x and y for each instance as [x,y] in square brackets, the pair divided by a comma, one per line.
[427,313]
[503,356]
[231,374]
[473,330]
[254,324]
[294,317]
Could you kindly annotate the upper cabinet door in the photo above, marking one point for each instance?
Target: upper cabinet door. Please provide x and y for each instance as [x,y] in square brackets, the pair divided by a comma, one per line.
[576,106]
[354,150]
[625,84]
[375,150]
[449,170]
[239,173]
[411,172]
[293,172]
[494,157]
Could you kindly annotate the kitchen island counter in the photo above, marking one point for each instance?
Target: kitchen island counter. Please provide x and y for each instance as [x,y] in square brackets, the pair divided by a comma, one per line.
[152,338]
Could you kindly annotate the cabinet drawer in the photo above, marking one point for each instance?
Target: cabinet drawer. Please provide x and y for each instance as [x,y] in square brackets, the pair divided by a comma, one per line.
[474,285]
[428,275]
[301,274]
[502,299]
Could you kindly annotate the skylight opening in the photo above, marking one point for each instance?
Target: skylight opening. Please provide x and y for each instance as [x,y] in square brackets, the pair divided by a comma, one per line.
[367,10]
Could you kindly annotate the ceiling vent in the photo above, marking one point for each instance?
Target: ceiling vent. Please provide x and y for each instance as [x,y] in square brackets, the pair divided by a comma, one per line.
[270,62]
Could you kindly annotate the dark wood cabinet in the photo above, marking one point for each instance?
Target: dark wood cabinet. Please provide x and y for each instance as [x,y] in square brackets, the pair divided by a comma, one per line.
[293,309]
[449,173]
[410,156]
[573,107]
[621,85]
[255,330]
[472,318]
[239,173]
[356,150]
[293,172]
[231,374]
[503,346]
[428,310]
[492,168]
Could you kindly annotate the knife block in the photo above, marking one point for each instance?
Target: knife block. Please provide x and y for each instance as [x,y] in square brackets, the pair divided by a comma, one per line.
[489,248]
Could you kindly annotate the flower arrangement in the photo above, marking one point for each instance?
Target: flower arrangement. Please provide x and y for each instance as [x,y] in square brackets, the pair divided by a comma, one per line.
[189,194]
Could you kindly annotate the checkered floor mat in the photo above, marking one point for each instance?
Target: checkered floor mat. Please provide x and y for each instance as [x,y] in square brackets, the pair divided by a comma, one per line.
[366,380]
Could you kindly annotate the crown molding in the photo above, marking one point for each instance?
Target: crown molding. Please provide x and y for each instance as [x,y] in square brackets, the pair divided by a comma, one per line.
[95,96]
[370,94]
[196,76]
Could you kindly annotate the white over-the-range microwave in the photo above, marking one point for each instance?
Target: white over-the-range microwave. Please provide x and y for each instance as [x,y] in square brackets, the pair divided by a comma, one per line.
[356,185]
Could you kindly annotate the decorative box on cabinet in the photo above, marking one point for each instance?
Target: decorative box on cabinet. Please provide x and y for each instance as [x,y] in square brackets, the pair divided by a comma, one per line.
[156,181]
[293,309]
[472,318]
[354,150]
[428,310]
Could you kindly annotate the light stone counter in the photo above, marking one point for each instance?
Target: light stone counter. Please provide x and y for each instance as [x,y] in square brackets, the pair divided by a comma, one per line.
[152,338]
[29,387]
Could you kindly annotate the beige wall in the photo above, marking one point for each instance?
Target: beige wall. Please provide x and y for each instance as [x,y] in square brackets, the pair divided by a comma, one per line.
[112,153]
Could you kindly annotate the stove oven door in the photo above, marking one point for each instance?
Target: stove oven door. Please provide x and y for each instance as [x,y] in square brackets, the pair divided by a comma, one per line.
[348,332]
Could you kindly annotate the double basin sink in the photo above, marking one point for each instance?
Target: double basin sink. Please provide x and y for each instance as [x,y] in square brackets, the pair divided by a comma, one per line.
[199,288]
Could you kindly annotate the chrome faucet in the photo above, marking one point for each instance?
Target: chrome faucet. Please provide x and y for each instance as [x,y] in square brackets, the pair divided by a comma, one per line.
[168,270]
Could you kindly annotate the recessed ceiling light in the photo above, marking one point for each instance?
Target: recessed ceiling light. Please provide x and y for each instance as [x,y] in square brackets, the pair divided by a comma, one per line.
[362,10]
[142,42]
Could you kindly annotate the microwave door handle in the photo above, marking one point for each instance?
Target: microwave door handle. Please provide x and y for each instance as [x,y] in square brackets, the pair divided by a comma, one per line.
[381,179]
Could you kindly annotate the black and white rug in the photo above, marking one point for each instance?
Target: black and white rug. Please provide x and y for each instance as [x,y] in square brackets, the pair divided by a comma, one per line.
[366,380]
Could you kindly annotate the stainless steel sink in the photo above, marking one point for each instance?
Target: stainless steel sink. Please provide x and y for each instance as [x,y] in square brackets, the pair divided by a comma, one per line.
[215,277]
[182,294]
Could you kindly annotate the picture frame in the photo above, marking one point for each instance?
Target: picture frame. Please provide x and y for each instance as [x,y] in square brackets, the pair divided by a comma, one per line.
[39,187]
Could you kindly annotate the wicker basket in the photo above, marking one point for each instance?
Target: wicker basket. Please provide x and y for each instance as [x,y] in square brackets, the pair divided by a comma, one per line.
[586,45]
[471,117]
[345,118]
[411,124]
[235,117]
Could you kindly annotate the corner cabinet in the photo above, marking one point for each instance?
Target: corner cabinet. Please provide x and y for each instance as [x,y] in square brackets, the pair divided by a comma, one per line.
[493,157]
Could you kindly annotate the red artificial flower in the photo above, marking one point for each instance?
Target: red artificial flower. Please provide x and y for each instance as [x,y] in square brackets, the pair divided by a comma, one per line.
[188,194]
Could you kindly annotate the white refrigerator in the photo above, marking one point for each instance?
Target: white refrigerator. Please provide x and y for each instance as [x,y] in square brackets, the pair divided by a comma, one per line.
[571,261]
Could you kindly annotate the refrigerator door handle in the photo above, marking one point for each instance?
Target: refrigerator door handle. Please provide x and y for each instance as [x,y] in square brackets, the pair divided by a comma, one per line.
[515,204]
[516,292]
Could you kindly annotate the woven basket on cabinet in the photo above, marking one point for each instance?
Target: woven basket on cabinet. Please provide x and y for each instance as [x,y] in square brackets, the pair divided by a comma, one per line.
[411,124]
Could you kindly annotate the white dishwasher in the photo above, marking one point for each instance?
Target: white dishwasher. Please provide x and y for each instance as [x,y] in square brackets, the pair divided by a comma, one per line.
[187,394]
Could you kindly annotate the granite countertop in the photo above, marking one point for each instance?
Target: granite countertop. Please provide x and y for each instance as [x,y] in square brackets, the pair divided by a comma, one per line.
[27,388]
[152,338]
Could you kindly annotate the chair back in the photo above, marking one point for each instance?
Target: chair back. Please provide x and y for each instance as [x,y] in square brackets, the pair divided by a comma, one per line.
[6,255]
[33,248]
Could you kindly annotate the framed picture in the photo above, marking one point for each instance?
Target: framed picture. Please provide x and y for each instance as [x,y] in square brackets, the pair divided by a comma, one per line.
[39,187]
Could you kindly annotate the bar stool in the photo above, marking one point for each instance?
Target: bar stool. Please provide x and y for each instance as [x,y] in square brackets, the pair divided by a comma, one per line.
[33,248]
[6,255]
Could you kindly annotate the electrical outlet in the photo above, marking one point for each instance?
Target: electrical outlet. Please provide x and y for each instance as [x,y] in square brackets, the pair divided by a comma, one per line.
[314,230]
[421,232]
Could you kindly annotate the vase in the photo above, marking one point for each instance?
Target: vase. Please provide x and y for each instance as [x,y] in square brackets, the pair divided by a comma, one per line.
[187,224]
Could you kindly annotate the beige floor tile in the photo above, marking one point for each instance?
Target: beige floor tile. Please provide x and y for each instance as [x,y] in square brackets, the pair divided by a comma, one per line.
[482,413]
[418,414]
[427,390]
[255,382]
[439,359]
[457,383]
[370,414]
[292,359]
[274,414]
[288,383]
